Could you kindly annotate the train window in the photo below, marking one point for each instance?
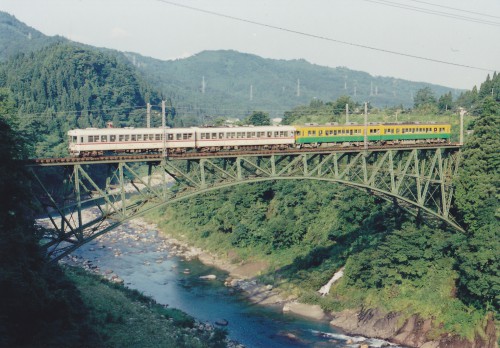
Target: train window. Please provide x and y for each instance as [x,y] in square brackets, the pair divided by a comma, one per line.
[139,137]
[178,136]
[112,138]
[253,135]
[335,132]
[91,138]
[133,137]
[104,138]
[276,134]
[397,131]
[120,137]
[270,134]
[81,139]
[202,136]
[435,130]
[286,134]
[127,137]
[297,133]
[74,139]
[214,135]
[350,132]
[320,132]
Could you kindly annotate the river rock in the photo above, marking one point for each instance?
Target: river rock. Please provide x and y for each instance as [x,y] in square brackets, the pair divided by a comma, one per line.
[305,310]
[221,322]
[209,277]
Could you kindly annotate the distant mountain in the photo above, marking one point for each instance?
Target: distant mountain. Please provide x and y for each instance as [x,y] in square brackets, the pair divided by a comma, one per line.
[234,83]
[230,83]
[16,37]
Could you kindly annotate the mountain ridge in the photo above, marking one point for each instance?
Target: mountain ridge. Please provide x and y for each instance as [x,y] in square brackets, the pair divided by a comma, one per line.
[229,83]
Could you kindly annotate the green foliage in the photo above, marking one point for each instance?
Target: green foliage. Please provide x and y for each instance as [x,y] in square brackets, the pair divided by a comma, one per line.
[341,102]
[406,254]
[66,86]
[424,97]
[478,202]
[16,37]
[123,317]
[258,118]
[39,306]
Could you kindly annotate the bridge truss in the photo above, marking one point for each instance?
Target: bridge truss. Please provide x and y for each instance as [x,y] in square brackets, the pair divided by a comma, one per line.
[419,179]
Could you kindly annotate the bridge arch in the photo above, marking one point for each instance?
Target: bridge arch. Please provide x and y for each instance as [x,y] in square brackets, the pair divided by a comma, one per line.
[419,179]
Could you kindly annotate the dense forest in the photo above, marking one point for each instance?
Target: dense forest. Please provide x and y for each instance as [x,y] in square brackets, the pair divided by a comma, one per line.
[308,230]
[44,305]
[65,86]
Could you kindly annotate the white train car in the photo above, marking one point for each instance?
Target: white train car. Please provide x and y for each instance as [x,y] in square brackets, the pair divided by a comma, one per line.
[246,137]
[94,141]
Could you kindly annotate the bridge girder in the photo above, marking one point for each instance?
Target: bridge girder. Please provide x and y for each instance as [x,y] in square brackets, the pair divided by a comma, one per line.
[419,179]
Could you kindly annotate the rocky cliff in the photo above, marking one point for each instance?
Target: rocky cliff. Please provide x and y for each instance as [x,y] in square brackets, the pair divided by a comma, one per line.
[411,332]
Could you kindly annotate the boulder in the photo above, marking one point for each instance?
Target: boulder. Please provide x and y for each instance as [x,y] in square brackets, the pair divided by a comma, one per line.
[209,277]
[221,322]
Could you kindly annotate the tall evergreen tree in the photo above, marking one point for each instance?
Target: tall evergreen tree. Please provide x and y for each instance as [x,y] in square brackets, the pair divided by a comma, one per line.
[478,201]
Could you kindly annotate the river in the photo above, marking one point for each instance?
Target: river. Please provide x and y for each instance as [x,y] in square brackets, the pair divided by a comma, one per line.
[146,261]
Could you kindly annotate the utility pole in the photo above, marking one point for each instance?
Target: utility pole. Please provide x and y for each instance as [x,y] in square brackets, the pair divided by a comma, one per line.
[462,113]
[163,125]
[148,115]
[366,126]
[346,113]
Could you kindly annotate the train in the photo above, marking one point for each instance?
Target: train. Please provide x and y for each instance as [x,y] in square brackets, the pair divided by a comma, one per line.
[100,141]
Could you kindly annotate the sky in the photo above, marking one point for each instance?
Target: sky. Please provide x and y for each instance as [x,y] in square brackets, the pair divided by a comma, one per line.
[454,39]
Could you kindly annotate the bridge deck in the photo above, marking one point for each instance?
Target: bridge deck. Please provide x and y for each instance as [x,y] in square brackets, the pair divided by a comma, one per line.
[225,154]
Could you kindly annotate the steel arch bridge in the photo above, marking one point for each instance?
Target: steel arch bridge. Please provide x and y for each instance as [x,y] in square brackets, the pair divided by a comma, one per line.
[419,179]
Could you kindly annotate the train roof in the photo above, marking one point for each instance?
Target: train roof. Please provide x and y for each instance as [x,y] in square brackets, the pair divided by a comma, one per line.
[350,124]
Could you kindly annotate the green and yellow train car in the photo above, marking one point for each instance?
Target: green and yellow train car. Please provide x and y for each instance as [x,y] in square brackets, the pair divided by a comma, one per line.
[378,133]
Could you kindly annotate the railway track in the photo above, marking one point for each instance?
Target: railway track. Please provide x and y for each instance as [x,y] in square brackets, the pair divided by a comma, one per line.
[222,154]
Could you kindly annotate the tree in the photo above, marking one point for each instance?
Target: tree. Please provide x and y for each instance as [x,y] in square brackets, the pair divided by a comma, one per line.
[425,96]
[478,201]
[339,105]
[445,102]
[258,118]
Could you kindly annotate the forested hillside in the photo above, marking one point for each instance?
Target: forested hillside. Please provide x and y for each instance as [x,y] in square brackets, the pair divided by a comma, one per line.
[17,37]
[236,83]
[65,86]
[307,230]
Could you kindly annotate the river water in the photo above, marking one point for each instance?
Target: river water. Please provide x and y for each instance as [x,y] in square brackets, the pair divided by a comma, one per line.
[146,261]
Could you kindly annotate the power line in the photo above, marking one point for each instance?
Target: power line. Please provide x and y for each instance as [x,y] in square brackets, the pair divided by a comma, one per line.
[433,12]
[324,37]
[454,8]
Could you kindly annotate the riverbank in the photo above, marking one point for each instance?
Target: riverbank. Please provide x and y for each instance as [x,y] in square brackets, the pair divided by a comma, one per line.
[395,327]
[122,317]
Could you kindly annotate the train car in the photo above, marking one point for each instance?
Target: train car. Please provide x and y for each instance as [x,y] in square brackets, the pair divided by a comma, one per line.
[245,138]
[314,135]
[95,142]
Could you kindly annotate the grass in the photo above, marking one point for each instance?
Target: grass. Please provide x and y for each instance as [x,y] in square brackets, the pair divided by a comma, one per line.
[126,318]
